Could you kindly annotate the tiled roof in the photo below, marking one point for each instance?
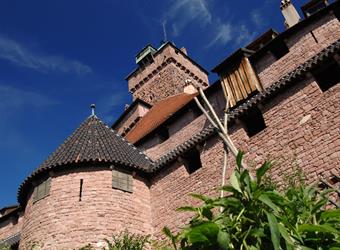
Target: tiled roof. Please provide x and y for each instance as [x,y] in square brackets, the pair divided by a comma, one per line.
[10,241]
[284,82]
[159,113]
[92,141]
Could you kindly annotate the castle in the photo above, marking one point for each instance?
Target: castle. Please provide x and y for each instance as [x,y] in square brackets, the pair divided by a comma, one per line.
[284,101]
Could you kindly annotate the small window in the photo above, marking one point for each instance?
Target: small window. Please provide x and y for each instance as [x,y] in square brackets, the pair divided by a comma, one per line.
[163,133]
[192,160]
[122,181]
[328,75]
[253,121]
[279,49]
[42,190]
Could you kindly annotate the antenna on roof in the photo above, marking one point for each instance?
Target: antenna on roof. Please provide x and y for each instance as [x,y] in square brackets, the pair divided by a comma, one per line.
[93,107]
[164,31]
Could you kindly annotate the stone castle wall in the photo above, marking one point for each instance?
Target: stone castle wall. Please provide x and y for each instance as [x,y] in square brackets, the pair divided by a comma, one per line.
[302,46]
[61,221]
[10,226]
[302,127]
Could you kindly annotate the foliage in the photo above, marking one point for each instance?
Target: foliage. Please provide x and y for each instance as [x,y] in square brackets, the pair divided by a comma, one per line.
[4,247]
[87,247]
[256,216]
[128,241]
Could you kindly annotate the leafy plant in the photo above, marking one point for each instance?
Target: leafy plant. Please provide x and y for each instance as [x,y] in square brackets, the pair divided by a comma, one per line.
[87,247]
[4,247]
[256,216]
[128,241]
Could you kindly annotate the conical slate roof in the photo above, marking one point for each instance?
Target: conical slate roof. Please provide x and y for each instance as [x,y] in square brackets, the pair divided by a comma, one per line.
[92,141]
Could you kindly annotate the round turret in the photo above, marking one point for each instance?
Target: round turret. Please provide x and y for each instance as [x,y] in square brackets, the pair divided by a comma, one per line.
[91,187]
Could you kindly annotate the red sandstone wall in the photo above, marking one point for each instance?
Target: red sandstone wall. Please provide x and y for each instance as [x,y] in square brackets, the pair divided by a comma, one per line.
[302,46]
[10,227]
[165,76]
[61,221]
[314,145]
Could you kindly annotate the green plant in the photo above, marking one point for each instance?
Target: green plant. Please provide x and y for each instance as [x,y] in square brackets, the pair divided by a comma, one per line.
[128,241]
[4,247]
[256,216]
[87,247]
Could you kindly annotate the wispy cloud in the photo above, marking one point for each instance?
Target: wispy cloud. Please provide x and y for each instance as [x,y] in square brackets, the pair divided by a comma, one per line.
[244,35]
[220,31]
[18,54]
[11,98]
[257,18]
[14,102]
[112,104]
[183,12]
[224,34]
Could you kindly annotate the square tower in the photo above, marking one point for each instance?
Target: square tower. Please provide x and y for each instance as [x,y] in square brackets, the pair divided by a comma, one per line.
[162,72]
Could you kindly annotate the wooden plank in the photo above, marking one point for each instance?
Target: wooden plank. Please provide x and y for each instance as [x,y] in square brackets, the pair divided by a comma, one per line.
[240,82]
[230,93]
[234,85]
[252,75]
[243,73]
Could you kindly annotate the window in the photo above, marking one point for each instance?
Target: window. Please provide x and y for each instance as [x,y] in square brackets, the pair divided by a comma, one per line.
[192,160]
[42,190]
[163,134]
[122,181]
[328,75]
[253,121]
[279,49]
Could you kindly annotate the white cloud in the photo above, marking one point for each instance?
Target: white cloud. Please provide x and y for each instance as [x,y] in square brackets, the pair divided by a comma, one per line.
[223,35]
[244,35]
[183,12]
[18,54]
[256,18]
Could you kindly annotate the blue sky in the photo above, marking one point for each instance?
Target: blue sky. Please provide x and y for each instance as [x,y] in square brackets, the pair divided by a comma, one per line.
[58,57]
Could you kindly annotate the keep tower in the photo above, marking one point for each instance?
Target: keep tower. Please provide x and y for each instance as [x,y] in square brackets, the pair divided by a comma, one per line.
[162,72]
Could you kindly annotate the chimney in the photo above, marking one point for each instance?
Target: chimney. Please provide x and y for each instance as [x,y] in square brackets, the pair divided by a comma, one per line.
[290,14]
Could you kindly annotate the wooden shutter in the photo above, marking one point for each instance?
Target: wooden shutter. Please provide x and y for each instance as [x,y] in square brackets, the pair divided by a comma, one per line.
[121,180]
[42,190]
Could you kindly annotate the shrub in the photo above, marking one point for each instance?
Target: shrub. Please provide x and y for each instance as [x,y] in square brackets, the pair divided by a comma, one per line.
[128,241]
[257,216]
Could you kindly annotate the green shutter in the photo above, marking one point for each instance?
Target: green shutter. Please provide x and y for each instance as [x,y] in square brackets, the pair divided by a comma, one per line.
[122,181]
[42,190]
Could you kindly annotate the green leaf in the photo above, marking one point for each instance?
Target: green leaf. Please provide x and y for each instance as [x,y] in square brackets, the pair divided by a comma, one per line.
[201,197]
[266,200]
[234,182]
[187,209]
[239,159]
[168,233]
[325,228]
[262,170]
[274,230]
[335,213]
[284,233]
[227,202]
[206,212]
[205,233]
[223,240]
